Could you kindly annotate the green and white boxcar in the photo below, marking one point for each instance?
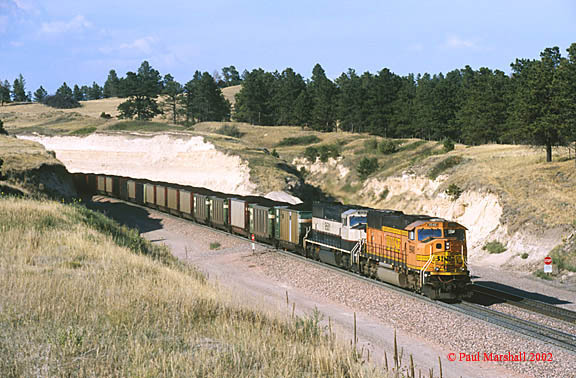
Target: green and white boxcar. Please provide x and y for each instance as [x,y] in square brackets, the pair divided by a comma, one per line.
[291,226]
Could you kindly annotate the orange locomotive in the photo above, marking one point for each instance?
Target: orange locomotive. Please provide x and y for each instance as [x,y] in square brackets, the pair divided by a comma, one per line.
[417,252]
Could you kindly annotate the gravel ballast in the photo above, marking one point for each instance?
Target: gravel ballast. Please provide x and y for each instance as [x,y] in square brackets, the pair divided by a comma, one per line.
[456,332]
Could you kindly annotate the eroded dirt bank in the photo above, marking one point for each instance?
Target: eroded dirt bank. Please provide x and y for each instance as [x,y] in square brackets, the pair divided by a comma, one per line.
[175,158]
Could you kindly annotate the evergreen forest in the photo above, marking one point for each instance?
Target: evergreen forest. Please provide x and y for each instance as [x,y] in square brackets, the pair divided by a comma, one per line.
[534,104]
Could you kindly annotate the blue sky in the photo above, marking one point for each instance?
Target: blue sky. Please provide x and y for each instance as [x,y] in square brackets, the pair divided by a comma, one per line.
[50,42]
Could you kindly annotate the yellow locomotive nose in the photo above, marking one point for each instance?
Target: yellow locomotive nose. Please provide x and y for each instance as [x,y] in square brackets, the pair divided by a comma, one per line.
[447,256]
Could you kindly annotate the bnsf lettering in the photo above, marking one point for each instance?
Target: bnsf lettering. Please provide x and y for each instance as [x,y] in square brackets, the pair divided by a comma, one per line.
[393,242]
[447,259]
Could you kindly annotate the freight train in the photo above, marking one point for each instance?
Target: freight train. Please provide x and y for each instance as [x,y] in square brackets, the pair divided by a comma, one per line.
[417,252]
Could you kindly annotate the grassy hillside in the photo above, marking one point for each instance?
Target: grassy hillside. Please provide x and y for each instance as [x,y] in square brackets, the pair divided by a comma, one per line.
[27,168]
[81,295]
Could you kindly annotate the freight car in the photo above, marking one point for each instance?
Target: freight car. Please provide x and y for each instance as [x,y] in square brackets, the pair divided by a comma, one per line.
[416,252]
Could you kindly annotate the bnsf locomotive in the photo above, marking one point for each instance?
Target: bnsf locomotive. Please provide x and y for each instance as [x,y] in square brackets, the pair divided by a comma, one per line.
[416,252]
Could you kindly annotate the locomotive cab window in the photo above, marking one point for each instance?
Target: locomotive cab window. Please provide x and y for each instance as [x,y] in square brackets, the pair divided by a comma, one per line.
[459,234]
[411,235]
[355,220]
[429,233]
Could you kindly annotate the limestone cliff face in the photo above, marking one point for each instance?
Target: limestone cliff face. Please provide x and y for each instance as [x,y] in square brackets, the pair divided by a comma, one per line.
[180,159]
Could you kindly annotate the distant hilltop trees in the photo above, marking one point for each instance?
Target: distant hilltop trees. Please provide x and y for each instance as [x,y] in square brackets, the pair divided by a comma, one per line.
[535,104]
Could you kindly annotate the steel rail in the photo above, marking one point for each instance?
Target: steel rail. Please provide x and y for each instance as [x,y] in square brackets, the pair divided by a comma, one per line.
[525,327]
[527,303]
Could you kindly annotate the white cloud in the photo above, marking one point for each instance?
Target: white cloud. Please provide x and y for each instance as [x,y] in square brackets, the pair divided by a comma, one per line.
[78,23]
[455,42]
[145,45]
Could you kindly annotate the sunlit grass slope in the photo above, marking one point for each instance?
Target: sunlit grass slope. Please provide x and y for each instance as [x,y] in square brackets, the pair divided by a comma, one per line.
[82,296]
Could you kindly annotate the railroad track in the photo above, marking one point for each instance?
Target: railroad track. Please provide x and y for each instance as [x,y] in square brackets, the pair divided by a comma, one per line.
[534,330]
[527,303]
[524,327]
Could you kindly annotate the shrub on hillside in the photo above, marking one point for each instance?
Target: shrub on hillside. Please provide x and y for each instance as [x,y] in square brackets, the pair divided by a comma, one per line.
[2,129]
[299,141]
[371,144]
[443,165]
[61,102]
[448,145]
[328,151]
[454,192]
[494,247]
[366,167]
[105,115]
[230,130]
[311,153]
[388,147]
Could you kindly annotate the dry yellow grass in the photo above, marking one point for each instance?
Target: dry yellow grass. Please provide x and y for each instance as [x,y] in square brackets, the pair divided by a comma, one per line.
[26,167]
[532,190]
[75,303]
[22,155]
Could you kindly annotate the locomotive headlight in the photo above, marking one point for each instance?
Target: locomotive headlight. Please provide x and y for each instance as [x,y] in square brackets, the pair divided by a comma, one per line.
[437,269]
[447,245]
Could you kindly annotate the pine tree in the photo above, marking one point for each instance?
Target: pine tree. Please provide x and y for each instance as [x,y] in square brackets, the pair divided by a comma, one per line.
[40,94]
[483,115]
[143,89]
[5,92]
[567,87]
[254,101]
[288,86]
[94,92]
[212,105]
[187,100]
[230,76]
[537,110]
[351,102]
[172,90]
[381,91]
[303,108]
[111,85]
[65,91]
[77,93]
[324,95]
[19,89]
[402,121]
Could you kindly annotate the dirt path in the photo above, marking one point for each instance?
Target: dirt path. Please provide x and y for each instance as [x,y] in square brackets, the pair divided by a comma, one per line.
[234,266]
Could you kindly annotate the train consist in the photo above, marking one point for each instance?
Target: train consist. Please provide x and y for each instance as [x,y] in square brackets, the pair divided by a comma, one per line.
[416,252]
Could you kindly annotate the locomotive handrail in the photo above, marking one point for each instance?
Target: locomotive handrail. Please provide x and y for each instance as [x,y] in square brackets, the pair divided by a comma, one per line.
[424,268]
[463,259]
[304,239]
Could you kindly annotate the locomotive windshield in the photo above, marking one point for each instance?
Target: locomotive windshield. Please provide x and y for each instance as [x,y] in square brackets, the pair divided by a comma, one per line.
[427,233]
[457,233]
[354,220]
